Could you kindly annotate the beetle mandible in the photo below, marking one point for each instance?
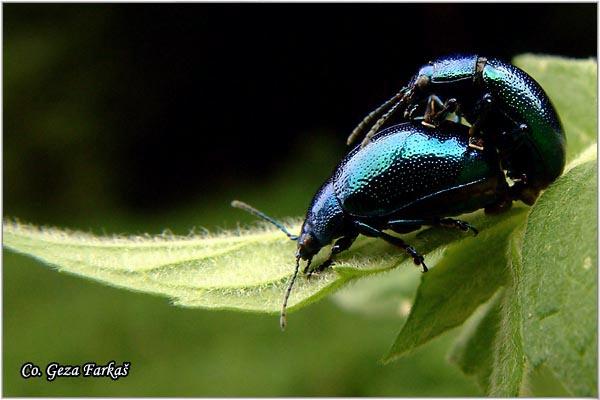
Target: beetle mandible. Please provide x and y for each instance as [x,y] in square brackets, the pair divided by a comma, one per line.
[409,176]
[507,109]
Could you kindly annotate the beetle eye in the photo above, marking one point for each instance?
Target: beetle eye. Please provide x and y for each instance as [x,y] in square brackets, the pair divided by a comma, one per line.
[308,246]
[422,81]
[307,241]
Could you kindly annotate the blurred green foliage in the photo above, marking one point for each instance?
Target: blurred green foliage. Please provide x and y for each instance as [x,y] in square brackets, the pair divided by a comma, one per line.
[188,352]
[184,352]
[173,351]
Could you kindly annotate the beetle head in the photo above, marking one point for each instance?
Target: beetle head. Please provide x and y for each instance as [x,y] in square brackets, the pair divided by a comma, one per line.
[324,222]
[423,77]
[308,245]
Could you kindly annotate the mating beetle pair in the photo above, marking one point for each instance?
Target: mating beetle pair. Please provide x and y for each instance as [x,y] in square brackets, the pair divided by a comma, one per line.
[506,108]
[424,171]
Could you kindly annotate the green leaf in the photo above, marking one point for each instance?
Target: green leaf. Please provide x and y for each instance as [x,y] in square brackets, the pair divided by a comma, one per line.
[508,362]
[540,333]
[468,275]
[383,295]
[559,281]
[571,85]
[490,344]
[521,358]
[246,270]
[473,349]
[558,286]
[542,382]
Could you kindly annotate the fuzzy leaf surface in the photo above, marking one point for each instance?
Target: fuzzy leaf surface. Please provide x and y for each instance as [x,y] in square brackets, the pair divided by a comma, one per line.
[468,275]
[559,281]
[246,270]
[503,342]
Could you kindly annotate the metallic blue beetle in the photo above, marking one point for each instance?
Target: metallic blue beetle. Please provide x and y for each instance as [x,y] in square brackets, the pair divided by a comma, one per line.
[409,175]
[506,108]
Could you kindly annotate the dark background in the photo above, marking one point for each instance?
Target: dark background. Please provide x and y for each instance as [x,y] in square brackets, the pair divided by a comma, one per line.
[136,118]
[158,105]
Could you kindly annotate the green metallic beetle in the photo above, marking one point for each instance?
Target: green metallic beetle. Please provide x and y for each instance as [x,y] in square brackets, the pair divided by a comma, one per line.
[410,175]
[506,109]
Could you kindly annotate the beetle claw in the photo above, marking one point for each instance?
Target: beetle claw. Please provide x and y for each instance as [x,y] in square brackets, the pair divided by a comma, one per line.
[313,272]
[476,143]
[419,260]
[466,227]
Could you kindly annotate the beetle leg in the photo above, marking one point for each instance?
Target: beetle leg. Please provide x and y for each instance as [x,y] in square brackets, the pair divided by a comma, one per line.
[432,117]
[527,194]
[503,203]
[408,113]
[406,225]
[340,245]
[305,270]
[368,230]
[521,190]
[409,225]
[499,206]
[514,139]
[475,141]
[433,101]
[450,106]
[458,224]
[509,142]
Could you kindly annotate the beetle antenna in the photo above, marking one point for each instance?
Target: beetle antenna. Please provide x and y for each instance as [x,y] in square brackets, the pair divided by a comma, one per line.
[260,214]
[380,122]
[373,114]
[283,315]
